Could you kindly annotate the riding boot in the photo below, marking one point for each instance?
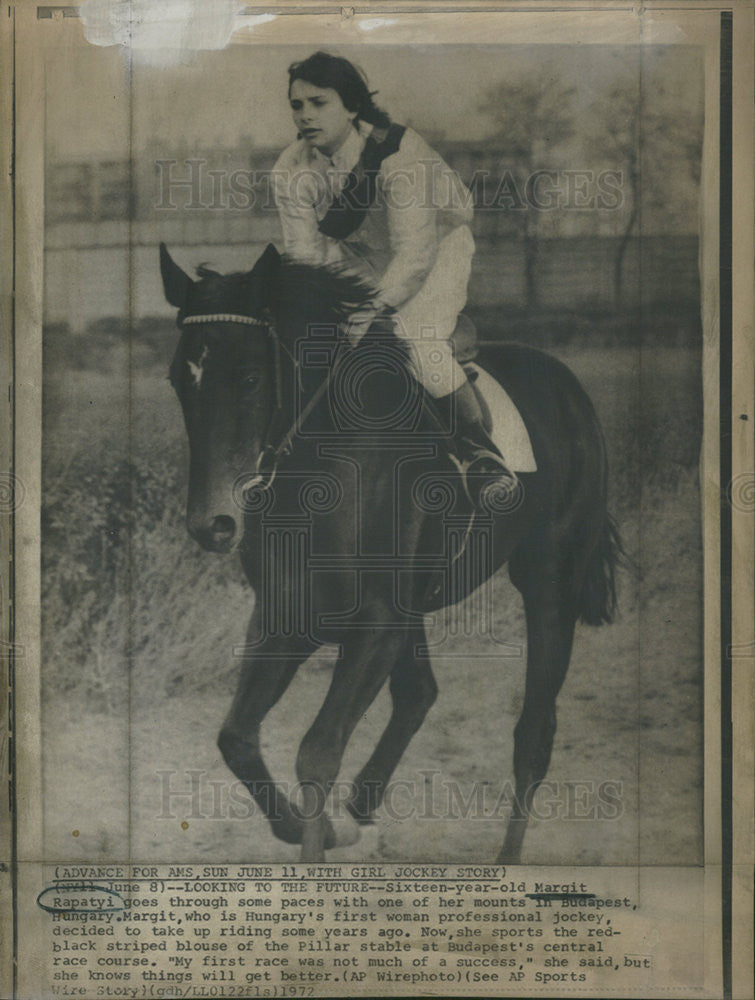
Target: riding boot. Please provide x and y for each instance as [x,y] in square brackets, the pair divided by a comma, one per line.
[487,479]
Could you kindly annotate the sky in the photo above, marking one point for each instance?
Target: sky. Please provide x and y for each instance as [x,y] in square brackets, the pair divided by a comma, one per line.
[99,106]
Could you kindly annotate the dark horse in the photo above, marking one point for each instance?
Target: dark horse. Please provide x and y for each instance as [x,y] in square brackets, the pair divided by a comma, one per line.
[327,469]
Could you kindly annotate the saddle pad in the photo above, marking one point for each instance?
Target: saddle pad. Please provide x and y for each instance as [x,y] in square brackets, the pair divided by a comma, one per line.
[507,429]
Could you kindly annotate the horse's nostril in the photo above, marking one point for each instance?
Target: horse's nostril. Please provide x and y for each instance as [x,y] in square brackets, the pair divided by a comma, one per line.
[224,527]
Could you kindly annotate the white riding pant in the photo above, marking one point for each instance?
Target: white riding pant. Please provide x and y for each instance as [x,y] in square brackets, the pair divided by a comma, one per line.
[427,320]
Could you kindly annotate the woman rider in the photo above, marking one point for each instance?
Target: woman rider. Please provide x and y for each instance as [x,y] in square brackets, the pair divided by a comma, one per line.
[358,190]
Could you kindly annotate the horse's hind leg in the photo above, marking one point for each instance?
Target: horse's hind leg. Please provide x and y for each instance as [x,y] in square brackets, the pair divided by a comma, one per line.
[551,617]
[413,691]
[266,673]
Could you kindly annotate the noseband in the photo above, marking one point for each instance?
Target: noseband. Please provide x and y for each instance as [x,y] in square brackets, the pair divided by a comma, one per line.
[271,453]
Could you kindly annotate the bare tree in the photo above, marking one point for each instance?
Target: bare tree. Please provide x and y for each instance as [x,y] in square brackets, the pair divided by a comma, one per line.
[652,143]
[531,116]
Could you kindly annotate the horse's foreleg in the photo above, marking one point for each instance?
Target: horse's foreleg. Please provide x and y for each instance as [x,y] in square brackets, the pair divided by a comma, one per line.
[368,658]
[266,673]
[550,632]
[413,692]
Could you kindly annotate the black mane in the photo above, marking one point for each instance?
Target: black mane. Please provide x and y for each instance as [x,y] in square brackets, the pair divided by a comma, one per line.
[222,293]
[316,293]
[305,296]
[299,296]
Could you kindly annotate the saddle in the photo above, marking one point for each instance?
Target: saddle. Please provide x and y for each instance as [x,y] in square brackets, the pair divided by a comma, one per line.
[466,346]
[464,340]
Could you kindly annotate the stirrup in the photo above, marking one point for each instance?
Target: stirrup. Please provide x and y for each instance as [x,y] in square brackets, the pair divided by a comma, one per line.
[488,481]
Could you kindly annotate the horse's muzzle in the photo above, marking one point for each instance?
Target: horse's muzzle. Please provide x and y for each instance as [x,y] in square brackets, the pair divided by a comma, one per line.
[220,535]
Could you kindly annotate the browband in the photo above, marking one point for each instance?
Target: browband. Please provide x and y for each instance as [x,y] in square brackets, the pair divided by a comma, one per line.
[223,318]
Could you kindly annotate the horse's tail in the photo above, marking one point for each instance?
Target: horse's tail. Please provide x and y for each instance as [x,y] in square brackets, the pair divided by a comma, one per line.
[597,601]
[599,549]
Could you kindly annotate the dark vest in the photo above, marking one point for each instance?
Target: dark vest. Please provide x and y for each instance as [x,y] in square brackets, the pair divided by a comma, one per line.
[347,211]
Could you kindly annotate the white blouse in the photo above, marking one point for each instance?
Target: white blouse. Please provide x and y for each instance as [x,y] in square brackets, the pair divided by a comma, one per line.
[419,200]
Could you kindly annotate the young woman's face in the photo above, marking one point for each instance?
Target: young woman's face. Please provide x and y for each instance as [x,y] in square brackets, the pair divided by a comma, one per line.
[320,116]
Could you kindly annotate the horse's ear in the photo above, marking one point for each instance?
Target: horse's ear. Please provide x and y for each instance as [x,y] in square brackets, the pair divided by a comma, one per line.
[267,264]
[176,282]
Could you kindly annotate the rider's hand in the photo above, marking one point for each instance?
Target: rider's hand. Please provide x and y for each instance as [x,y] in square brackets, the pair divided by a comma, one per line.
[360,321]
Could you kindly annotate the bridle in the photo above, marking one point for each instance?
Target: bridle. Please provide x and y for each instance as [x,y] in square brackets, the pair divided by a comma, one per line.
[272,452]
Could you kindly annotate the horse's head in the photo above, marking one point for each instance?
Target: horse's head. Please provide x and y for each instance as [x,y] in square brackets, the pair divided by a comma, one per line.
[224,376]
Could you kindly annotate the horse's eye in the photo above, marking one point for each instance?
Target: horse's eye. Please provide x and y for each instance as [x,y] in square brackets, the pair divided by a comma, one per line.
[252,381]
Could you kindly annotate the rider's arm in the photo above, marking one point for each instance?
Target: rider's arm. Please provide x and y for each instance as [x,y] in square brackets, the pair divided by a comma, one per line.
[424,198]
[298,192]
[412,228]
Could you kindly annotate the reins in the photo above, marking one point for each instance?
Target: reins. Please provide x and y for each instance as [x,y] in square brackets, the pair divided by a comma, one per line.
[270,452]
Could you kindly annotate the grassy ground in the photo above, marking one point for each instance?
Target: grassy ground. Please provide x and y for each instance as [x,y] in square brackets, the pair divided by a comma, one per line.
[139,625]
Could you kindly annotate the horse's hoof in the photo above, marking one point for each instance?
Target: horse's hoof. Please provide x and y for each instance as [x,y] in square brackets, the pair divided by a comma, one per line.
[361,812]
[338,833]
[344,830]
[288,832]
[362,820]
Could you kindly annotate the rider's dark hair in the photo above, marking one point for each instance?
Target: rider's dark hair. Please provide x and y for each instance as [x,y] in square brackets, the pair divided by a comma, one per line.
[325,70]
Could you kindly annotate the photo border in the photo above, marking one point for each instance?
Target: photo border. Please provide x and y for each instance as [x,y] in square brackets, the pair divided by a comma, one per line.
[21,313]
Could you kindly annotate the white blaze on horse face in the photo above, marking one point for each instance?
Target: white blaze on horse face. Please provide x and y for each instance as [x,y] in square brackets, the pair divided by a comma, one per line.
[197,370]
